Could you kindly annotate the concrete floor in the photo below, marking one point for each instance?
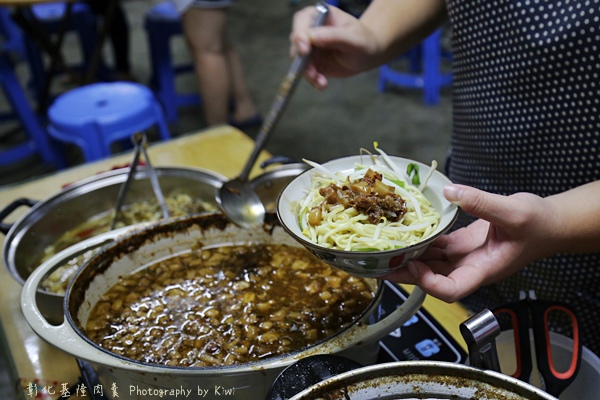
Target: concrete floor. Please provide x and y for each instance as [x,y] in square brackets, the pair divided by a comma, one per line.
[350,114]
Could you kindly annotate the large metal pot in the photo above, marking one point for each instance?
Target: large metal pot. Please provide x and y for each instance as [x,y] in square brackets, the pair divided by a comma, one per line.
[358,341]
[48,219]
[421,380]
[269,184]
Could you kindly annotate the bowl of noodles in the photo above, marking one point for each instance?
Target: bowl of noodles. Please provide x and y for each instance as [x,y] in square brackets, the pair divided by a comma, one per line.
[368,214]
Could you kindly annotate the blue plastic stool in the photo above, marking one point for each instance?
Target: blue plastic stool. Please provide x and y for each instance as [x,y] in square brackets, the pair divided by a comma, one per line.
[37,141]
[162,22]
[95,116]
[425,72]
[12,36]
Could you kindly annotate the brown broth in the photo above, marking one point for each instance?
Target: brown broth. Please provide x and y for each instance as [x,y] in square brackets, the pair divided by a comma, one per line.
[226,305]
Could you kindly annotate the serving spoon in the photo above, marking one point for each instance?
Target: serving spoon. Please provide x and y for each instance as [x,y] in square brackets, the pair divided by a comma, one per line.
[236,197]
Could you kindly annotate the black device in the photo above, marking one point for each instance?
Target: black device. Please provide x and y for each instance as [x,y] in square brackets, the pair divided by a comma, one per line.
[420,338]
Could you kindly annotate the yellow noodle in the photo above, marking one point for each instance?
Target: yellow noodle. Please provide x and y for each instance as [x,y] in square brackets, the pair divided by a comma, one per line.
[347,229]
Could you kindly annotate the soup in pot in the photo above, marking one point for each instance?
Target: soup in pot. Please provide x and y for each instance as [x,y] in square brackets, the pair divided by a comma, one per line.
[178,204]
[227,304]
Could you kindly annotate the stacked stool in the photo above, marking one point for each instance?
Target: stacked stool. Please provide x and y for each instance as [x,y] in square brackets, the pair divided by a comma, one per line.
[162,23]
[95,116]
[36,141]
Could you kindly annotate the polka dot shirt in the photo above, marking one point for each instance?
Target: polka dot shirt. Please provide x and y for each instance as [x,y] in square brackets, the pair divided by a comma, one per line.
[526,96]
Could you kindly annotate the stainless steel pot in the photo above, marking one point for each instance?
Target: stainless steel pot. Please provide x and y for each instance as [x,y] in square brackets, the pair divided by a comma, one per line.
[420,380]
[358,341]
[269,184]
[48,219]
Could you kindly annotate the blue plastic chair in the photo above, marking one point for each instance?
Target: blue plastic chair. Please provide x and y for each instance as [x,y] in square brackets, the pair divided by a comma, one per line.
[95,116]
[13,41]
[82,22]
[162,23]
[424,70]
[37,141]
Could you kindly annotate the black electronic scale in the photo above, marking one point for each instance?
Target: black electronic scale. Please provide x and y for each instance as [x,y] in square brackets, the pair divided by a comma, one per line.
[420,338]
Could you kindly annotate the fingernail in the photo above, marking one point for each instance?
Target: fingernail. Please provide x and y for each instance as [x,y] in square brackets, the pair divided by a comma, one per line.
[413,269]
[321,81]
[453,193]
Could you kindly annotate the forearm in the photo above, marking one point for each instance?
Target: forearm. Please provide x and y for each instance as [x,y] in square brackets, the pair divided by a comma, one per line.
[578,221]
[398,25]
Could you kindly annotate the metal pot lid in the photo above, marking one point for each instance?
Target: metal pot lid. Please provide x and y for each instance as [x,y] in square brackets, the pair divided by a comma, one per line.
[269,185]
[281,172]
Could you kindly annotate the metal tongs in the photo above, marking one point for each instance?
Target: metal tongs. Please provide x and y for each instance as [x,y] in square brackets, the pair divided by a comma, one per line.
[139,141]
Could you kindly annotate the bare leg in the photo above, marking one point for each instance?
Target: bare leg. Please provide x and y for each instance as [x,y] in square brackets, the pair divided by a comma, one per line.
[244,104]
[217,66]
[205,33]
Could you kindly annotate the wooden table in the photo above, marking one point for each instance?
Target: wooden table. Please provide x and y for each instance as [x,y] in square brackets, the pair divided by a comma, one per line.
[222,149]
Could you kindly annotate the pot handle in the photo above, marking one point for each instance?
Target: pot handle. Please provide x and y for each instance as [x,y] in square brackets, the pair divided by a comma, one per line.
[61,336]
[4,228]
[380,329]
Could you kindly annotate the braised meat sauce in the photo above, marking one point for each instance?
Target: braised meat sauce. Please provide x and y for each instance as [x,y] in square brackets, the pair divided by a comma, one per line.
[227,305]
[368,195]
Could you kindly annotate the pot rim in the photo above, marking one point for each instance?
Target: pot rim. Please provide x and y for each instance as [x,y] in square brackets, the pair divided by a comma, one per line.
[282,171]
[42,207]
[421,367]
[70,338]
[121,240]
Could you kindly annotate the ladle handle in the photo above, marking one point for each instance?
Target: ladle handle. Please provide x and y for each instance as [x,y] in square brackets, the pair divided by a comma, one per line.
[125,186]
[281,100]
[154,180]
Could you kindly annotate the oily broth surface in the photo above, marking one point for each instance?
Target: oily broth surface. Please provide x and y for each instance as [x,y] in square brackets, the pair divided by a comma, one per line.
[226,305]
[140,211]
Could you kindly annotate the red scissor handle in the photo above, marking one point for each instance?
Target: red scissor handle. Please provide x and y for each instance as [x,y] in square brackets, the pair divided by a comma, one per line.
[519,312]
[555,380]
[519,317]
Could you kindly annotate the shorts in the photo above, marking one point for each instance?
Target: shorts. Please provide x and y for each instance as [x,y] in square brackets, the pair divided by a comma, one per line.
[183,5]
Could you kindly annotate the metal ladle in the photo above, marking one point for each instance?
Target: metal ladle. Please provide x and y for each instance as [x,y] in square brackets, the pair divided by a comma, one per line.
[236,197]
[139,141]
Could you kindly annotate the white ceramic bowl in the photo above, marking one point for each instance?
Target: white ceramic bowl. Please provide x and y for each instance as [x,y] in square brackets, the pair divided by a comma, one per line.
[365,263]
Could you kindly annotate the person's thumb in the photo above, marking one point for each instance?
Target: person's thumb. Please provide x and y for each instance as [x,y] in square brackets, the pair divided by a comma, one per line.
[490,207]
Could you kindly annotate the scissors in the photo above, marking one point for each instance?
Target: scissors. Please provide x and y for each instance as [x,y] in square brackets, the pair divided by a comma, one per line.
[530,313]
